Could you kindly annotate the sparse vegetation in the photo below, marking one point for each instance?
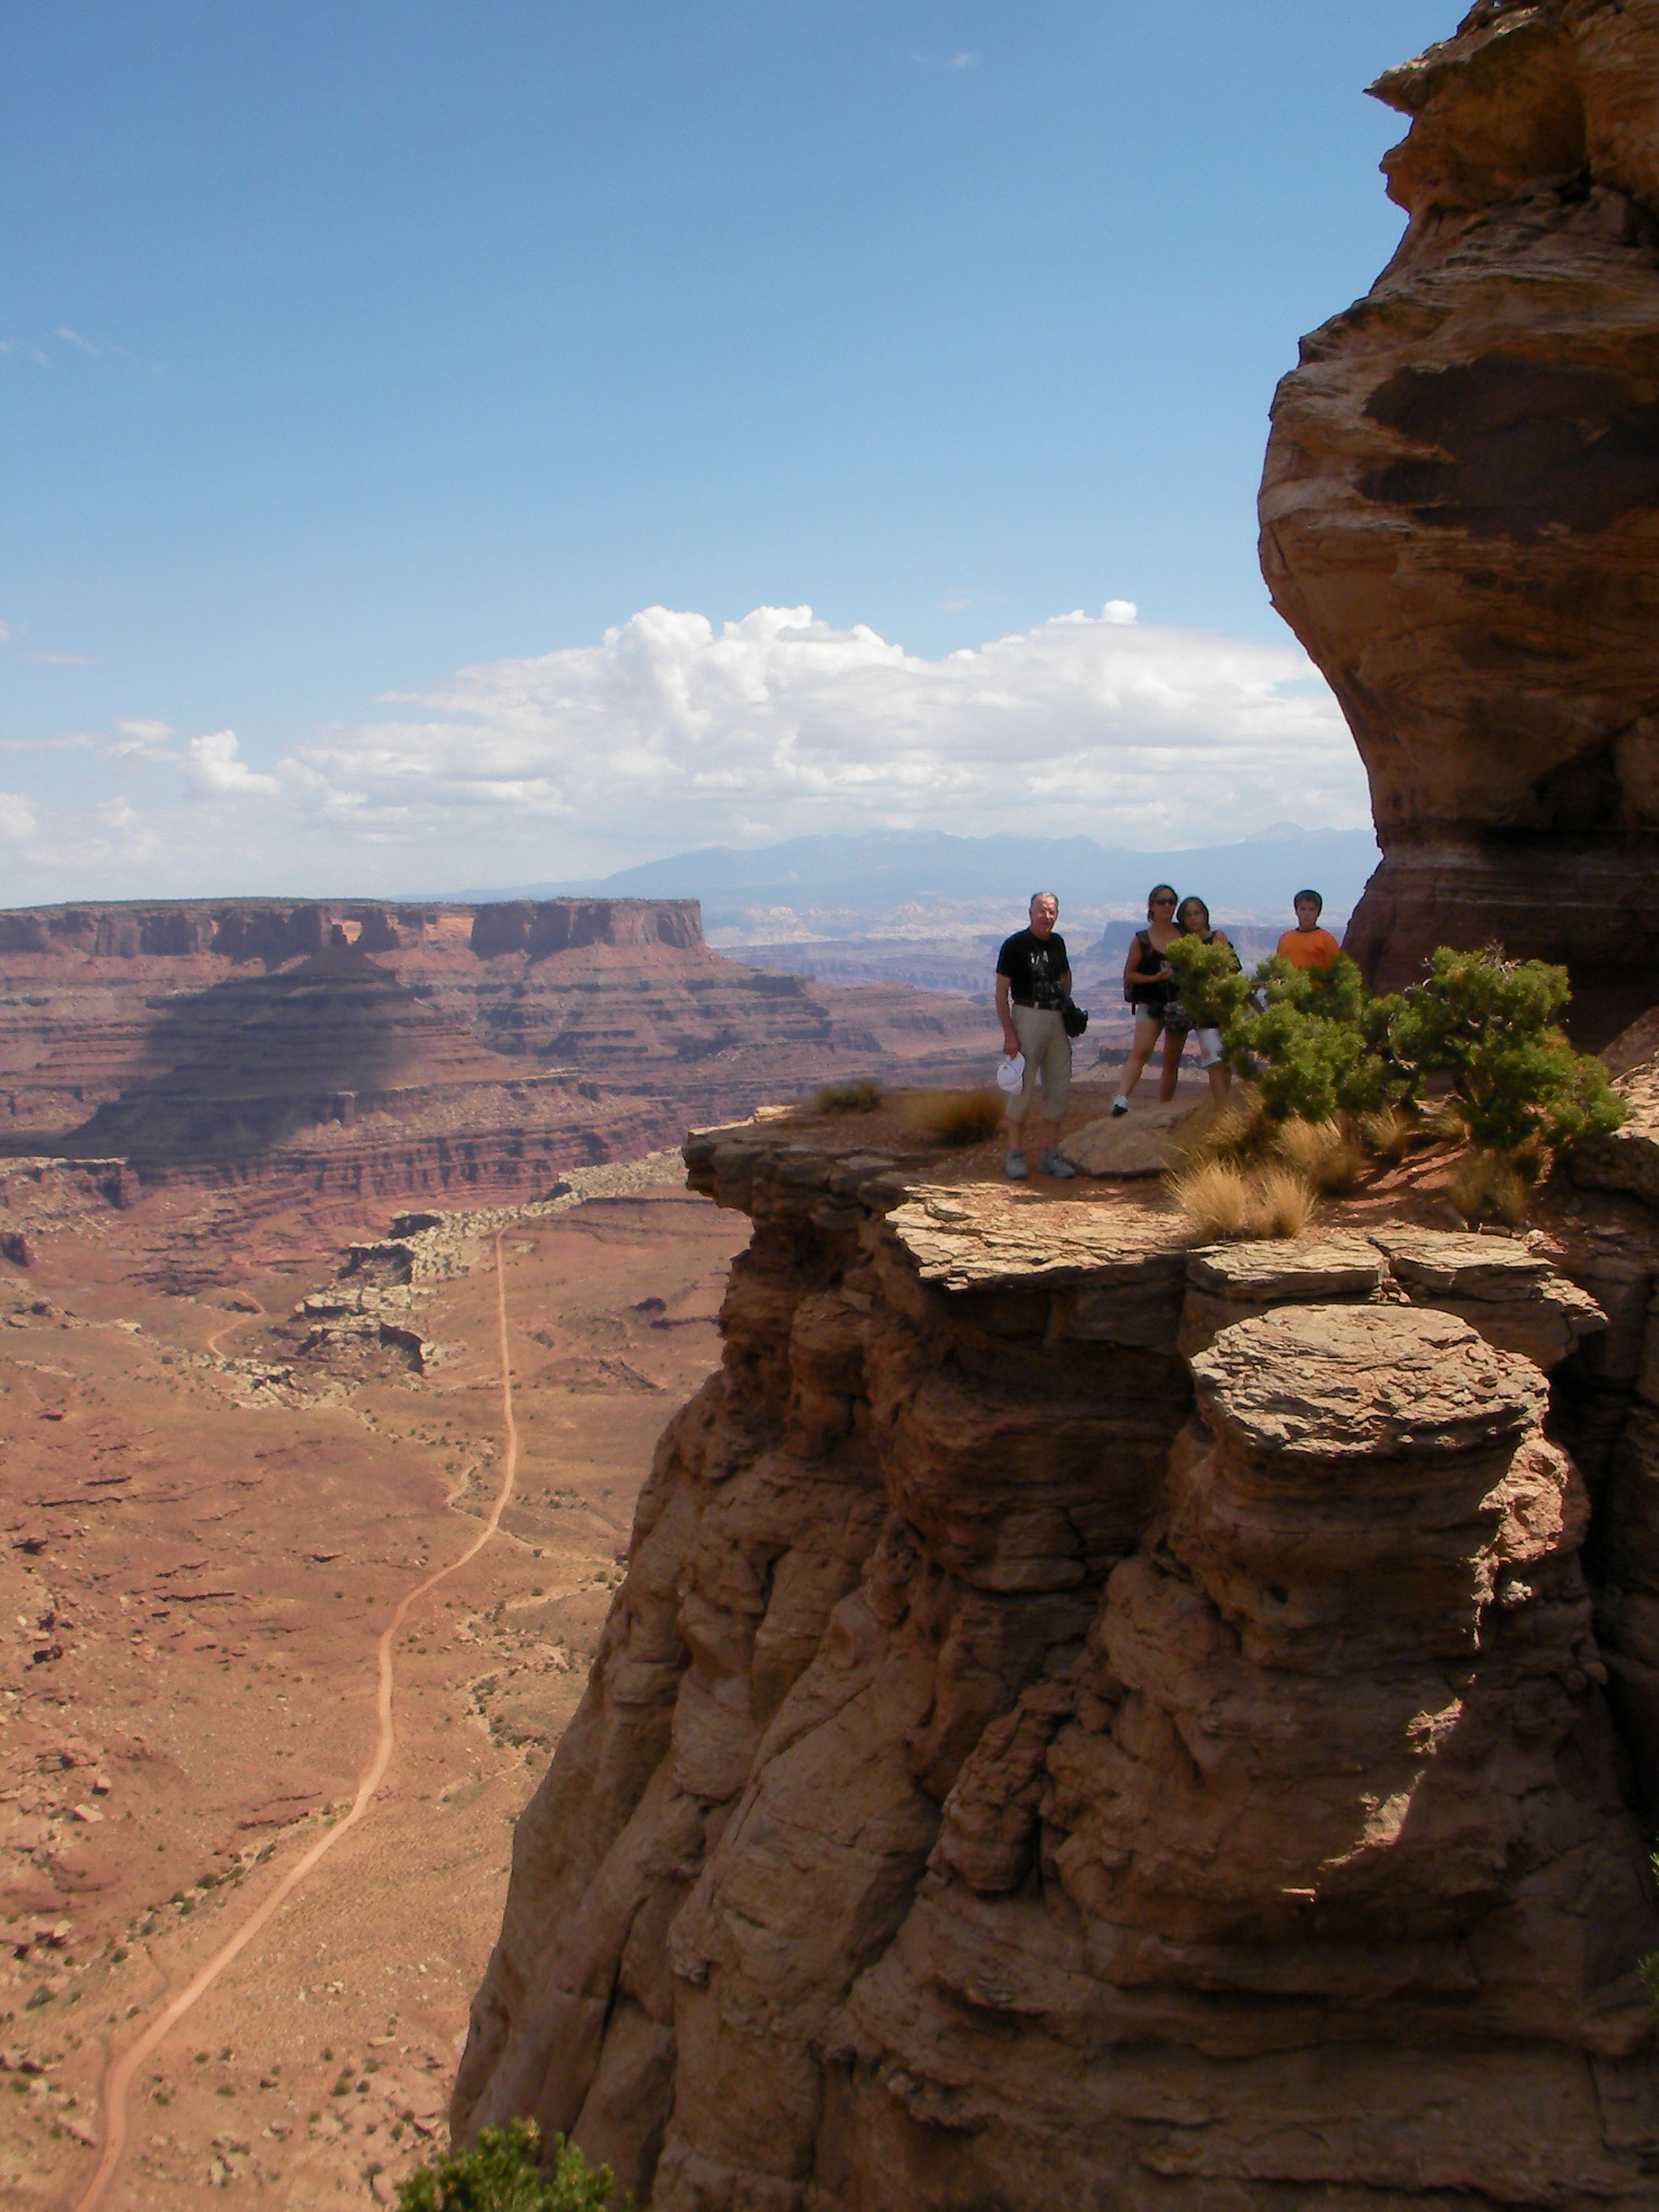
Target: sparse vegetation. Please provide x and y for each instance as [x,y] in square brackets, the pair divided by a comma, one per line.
[955,1117]
[1327,1155]
[864,1095]
[1337,1076]
[1223,1199]
[1387,1133]
[1485,1187]
[502,2171]
[1238,1132]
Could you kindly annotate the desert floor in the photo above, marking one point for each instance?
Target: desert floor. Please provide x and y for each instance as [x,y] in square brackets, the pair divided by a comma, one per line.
[197,1557]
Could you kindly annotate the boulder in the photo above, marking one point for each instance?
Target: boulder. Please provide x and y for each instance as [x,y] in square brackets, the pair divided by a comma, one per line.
[1131,1144]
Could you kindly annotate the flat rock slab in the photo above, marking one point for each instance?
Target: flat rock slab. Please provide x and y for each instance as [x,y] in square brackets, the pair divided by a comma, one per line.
[979,1236]
[1132,1144]
[1342,1384]
[1274,1271]
[1454,1265]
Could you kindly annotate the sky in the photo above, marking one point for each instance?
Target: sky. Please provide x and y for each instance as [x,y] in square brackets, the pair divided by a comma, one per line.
[491,440]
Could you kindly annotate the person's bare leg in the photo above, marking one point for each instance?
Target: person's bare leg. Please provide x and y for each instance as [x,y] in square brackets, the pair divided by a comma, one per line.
[1175,1043]
[1221,1082]
[1142,1046]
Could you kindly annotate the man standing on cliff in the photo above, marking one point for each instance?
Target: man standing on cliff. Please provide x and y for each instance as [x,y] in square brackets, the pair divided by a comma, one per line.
[1033,974]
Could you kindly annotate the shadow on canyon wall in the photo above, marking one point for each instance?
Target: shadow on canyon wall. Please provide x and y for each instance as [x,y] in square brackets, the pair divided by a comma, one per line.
[247,1064]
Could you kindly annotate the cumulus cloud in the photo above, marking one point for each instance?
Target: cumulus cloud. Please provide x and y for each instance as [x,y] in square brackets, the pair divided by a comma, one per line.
[668,731]
[671,733]
[212,765]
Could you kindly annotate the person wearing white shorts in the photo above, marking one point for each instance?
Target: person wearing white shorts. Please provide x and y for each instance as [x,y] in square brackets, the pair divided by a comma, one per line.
[1192,917]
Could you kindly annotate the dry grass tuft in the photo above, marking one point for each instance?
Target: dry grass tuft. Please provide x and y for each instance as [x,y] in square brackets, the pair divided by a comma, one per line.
[955,1117]
[1237,1132]
[1485,1188]
[1285,1200]
[1223,1200]
[1387,1132]
[864,1095]
[1325,1154]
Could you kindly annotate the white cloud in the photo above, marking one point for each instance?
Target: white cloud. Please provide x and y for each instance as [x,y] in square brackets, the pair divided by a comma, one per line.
[17,816]
[668,731]
[213,766]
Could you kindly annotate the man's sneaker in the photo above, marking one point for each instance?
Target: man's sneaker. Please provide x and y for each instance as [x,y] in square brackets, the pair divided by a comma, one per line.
[1017,1169]
[1053,1164]
[1120,1104]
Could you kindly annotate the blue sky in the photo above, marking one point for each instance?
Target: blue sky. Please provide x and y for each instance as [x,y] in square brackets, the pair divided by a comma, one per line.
[351,347]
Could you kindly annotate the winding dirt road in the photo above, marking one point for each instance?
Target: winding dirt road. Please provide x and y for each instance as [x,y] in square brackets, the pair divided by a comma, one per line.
[118,2075]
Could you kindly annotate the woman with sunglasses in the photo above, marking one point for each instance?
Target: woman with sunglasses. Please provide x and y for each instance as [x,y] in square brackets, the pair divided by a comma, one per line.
[1149,985]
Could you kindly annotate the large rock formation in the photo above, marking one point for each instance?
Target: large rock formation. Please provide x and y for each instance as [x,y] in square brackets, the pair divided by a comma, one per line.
[405,1049]
[1088,1724]
[1460,508]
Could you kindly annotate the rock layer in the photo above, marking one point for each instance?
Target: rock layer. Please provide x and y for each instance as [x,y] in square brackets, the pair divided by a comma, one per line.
[1027,1766]
[1460,505]
[409,1047]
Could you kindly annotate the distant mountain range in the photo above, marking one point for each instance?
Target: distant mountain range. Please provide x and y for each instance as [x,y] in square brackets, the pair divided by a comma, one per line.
[847,882]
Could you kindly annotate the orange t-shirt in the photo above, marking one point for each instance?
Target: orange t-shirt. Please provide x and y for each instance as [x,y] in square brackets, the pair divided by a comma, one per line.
[1308,948]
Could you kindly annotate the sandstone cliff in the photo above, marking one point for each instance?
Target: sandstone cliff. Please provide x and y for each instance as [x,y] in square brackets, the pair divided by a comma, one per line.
[1461,507]
[1092,1723]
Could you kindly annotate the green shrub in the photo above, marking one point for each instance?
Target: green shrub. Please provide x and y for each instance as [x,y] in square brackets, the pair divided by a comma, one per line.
[1490,1024]
[1211,985]
[502,2172]
[1316,1042]
[1317,1045]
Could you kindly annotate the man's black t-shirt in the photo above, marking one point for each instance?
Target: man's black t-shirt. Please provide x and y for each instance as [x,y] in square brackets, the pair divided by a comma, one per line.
[1034,966]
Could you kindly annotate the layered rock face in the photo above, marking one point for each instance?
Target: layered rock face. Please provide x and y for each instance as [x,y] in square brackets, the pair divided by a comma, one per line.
[1092,1723]
[1461,507]
[474,1044]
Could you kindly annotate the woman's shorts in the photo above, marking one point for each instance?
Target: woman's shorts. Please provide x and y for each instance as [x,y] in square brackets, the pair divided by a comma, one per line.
[1210,1053]
[1175,1021]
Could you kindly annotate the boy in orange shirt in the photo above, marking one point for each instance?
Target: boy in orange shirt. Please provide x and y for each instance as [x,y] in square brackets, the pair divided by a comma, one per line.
[1308,946]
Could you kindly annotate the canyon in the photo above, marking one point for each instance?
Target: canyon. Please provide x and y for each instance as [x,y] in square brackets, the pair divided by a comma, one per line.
[1460,509]
[356,1050]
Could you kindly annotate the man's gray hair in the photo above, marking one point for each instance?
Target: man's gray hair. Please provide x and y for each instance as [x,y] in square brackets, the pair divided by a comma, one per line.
[1035,896]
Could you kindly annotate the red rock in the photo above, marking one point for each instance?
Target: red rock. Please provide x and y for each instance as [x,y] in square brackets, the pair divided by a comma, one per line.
[372,1051]
[1024,1765]
[1460,511]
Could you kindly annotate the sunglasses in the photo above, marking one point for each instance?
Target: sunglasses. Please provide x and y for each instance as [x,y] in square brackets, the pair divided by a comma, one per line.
[1160,902]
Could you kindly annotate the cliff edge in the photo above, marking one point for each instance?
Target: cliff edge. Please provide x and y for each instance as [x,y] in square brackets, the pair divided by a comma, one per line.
[1089,1722]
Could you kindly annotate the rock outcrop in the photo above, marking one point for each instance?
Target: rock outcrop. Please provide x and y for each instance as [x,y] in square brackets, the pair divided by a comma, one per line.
[1461,507]
[1090,1723]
